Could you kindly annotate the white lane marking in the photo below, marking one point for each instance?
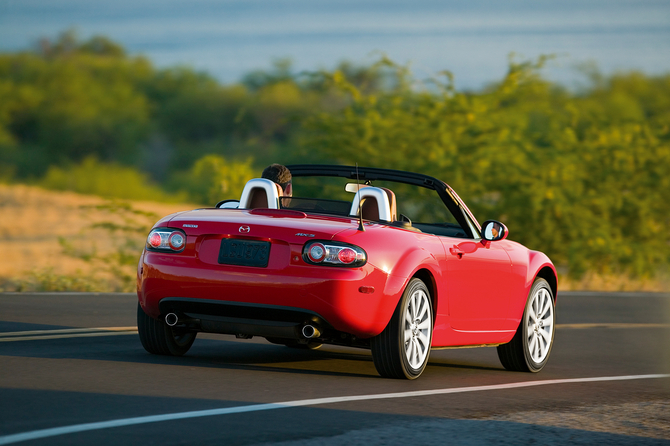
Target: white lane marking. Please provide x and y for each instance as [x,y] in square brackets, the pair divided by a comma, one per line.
[46,433]
[65,333]
[111,331]
[65,330]
[611,325]
[107,331]
[83,335]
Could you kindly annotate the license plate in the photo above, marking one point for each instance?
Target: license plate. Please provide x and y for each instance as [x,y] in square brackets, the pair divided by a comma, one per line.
[244,252]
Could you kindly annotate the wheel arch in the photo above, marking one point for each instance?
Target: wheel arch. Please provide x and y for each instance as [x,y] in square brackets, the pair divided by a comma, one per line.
[415,262]
[429,280]
[539,265]
[549,275]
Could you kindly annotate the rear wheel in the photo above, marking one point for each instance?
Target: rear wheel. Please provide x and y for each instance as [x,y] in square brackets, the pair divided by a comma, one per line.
[529,350]
[402,349]
[160,339]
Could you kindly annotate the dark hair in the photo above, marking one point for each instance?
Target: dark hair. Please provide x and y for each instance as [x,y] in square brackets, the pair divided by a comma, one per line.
[278,173]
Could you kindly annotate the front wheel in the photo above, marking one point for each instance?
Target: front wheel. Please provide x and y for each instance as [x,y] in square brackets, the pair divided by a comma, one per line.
[529,349]
[159,338]
[402,349]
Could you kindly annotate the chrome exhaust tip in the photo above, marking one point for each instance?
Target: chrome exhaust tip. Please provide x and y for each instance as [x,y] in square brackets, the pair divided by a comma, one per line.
[171,319]
[309,332]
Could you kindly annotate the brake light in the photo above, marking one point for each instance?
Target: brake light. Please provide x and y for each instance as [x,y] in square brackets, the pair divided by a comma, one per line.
[334,254]
[155,240]
[346,256]
[165,239]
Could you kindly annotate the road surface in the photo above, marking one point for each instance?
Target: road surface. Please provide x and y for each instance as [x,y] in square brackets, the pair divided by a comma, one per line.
[72,371]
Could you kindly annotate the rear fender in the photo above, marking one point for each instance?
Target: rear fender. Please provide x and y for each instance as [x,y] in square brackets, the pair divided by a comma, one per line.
[384,245]
[416,263]
[539,265]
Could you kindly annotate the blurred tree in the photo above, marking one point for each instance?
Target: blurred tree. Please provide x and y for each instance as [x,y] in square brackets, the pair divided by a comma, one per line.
[108,180]
[70,102]
[579,177]
[212,179]
[280,72]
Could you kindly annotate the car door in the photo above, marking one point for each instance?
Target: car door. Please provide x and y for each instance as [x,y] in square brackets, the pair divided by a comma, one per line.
[477,285]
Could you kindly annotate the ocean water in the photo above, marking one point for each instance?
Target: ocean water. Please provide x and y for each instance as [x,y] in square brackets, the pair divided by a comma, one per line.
[473,39]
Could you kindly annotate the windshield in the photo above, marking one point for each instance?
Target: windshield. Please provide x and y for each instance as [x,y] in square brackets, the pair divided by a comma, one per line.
[413,206]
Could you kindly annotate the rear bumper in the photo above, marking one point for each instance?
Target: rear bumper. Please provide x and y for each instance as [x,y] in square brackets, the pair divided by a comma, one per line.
[242,319]
[265,301]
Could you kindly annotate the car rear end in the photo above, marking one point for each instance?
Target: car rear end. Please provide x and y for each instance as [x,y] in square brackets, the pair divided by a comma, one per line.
[272,273]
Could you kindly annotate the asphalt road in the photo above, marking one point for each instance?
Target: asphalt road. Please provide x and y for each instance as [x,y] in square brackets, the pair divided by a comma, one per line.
[60,372]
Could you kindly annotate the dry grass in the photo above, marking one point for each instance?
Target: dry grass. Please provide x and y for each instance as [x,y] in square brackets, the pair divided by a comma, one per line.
[596,282]
[50,244]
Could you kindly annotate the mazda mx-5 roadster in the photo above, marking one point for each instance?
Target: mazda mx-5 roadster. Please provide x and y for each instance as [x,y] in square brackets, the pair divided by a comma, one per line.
[380,259]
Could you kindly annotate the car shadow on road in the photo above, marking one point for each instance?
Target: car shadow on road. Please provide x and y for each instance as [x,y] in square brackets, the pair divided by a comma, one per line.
[254,355]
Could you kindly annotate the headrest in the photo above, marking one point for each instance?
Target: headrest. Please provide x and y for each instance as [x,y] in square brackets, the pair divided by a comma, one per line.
[372,193]
[260,193]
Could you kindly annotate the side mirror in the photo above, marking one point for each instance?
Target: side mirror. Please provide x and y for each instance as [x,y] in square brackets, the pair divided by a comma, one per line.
[494,230]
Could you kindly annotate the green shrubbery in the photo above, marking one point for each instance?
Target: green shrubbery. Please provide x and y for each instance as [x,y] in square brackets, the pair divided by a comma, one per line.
[212,179]
[583,176]
[108,180]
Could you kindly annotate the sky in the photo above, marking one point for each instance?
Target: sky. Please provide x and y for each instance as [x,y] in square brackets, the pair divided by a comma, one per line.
[473,39]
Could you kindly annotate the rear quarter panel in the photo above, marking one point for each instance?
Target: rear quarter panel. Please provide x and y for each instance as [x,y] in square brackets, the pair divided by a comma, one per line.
[400,254]
[526,266]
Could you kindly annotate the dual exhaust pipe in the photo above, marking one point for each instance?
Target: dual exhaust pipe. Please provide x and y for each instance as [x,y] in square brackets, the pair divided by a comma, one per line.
[308,331]
[171,319]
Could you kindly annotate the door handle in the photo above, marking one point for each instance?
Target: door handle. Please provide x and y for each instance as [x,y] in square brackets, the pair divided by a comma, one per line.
[457,252]
[464,248]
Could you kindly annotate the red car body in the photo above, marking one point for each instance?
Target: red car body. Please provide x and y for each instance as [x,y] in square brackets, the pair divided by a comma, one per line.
[478,288]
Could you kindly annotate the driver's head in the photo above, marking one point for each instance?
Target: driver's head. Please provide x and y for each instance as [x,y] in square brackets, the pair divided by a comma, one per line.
[280,175]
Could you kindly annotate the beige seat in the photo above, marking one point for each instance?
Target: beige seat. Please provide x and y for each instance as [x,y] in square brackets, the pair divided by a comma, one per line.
[260,193]
[392,202]
[374,204]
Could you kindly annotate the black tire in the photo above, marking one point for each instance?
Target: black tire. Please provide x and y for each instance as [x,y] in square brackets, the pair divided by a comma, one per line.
[160,339]
[391,351]
[529,349]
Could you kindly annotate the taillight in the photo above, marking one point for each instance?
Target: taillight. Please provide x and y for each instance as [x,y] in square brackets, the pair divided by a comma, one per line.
[155,240]
[347,256]
[334,254]
[176,241]
[316,252]
[165,239]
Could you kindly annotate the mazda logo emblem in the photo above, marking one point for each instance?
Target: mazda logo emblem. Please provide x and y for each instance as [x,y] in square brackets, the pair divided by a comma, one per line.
[245,229]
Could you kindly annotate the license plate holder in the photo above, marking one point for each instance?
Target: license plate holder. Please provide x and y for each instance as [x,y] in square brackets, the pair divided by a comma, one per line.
[244,252]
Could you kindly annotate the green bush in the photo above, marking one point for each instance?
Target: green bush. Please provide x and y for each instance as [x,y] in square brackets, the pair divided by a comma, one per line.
[212,179]
[106,180]
[584,178]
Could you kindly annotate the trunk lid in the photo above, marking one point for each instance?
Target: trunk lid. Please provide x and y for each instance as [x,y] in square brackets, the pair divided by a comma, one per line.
[287,225]
[286,231]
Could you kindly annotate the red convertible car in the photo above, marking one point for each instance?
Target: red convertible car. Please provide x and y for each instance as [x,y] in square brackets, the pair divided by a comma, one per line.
[374,258]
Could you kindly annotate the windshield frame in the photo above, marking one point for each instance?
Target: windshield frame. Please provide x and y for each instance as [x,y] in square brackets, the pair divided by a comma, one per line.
[368,174]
